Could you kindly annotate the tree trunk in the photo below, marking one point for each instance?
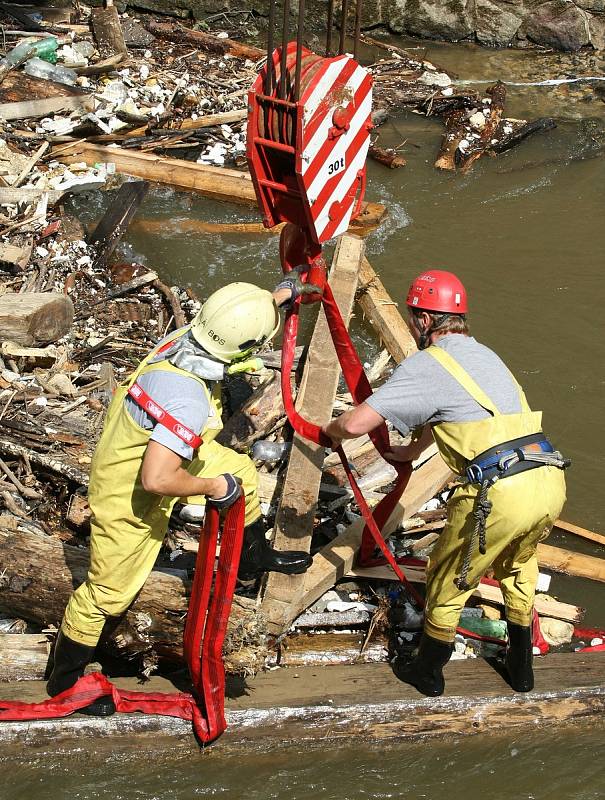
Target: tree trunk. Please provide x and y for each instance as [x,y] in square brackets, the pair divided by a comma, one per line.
[38,574]
[35,318]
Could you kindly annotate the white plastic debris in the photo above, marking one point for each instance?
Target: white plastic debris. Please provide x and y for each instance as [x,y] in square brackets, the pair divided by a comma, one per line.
[341,605]
[477,120]
[435,79]
[447,92]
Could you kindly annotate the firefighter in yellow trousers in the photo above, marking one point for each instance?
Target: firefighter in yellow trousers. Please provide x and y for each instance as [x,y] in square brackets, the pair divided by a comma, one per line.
[459,393]
[158,446]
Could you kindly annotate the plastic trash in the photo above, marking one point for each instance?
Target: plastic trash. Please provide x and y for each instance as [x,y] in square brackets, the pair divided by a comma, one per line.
[28,48]
[39,68]
[263,450]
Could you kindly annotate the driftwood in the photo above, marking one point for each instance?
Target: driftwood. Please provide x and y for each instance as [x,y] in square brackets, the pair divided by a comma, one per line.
[506,142]
[177,33]
[35,318]
[479,146]
[108,30]
[544,605]
[452,136]
[115,221]
[258,415]
[576,530]
[386,156]
[560,560]
[38,574]
[68,471]
[18,89]
[217,183]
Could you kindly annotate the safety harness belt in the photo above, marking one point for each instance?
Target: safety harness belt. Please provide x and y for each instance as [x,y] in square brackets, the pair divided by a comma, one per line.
[359,386]
[204,635]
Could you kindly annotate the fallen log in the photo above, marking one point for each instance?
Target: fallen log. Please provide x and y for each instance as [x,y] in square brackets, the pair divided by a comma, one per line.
[177,33]
[34,318]
[386,156]
[452,136]
[506,142]
[479,146]
[38,574]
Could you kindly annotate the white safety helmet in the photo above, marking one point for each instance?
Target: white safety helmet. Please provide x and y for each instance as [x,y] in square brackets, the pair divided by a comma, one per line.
[235,321]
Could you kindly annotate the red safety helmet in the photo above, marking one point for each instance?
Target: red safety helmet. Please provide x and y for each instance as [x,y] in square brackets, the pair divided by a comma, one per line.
[438,290]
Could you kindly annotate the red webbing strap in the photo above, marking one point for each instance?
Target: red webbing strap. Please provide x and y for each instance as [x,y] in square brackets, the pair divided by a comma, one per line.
[360,389]
[203,640]
[159,414]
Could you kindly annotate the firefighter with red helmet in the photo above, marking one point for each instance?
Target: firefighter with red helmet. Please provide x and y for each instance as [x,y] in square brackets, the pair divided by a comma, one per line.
[460,394]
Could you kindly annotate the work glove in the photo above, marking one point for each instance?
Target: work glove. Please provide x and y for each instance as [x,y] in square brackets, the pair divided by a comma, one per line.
[293,281]
[234,490]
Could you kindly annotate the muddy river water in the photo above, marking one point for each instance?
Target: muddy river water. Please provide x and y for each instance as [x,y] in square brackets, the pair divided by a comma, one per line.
[526,233]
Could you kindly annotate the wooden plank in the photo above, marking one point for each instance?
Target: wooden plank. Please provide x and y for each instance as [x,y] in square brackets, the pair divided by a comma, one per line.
[115,221]
[560,560]
[277,711]
[576,530]
[383,314]
[217,183]
[335,560]
[30,109]
[296,512]
[544,605]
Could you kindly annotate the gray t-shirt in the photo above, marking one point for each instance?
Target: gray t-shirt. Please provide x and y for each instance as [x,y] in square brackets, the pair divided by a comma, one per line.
[420,390]
[182,397]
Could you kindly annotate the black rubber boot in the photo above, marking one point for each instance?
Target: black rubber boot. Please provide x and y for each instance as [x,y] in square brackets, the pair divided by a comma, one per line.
[258,557]
[69,662]
[519,657]
[425,670]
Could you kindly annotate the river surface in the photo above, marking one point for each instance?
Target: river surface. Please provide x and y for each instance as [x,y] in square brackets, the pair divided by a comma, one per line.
[526,233]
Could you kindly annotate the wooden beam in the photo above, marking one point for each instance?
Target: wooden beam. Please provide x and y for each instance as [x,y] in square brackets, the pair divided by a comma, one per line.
[114,223]
[383,314]
[335,560]
[545,606]
[296,512]
[560,560]
[576,530]
[217,183]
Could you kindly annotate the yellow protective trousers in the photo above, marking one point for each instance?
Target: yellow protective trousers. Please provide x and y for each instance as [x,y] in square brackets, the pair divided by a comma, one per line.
[524,509]
[128,524]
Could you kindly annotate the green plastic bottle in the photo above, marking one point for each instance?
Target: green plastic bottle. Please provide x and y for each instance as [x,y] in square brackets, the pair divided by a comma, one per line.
[42,48]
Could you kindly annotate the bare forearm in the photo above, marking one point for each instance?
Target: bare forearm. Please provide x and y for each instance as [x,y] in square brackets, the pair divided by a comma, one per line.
[179,484]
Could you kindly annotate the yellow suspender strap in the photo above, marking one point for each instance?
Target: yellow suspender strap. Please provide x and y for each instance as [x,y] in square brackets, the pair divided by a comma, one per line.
[464,379]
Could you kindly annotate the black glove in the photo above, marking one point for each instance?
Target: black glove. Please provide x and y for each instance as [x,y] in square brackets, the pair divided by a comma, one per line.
[292,280]
[234,490]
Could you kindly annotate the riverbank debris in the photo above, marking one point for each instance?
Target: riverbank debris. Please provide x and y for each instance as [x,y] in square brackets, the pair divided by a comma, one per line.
[76,317]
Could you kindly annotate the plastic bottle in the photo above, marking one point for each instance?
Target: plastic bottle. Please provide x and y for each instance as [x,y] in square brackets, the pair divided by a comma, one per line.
[263,450]
[42,48]
[39,68]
